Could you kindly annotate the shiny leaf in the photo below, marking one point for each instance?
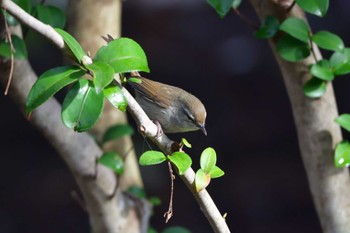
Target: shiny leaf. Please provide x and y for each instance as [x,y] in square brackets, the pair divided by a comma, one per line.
[51,15]
[292,49]
[316,7]
[328,40]
[344,121]
[322,70]
[216,172]
[181,160]
[222,7]
[297,28]
[82,106]
[50,82]
[102,73]
[115,96]
[113,161]
[20,51]
[236,3]
[202,180]
[124,55]
[74,47]
[185,143]
[340,62]
[151,157]
[315,88]
[342,154]
[208,159]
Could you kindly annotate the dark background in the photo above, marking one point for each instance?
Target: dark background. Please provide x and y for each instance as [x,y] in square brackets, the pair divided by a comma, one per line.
[249,124]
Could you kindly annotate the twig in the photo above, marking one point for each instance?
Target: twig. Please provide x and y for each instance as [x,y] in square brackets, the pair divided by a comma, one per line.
[8,36]
[291,6]
[169,213]
[145,125]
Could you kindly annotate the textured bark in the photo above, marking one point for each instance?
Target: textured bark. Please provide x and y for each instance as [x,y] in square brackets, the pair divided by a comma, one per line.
[317,131]
[88,21]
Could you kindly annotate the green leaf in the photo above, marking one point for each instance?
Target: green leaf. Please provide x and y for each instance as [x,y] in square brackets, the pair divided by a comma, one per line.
[113,161]
[181,160]
[82,106]
[344,121]
[103,74]
[340,62]
[342,154]
[24,4]
[292,49]
[316,7]
[151,230]
[269,28]
[118,131]
[314,88]
[222,7]
[322,70]
[208,159]
[236,3]
[297,28]
[134,80]
[216,172]
[176,229]
[328,40]
[74,47]
[186,143]
[51,15]
[137,191]
[19,46]
[124,55]
[151,157]
[50,82]
[115,96]
[201,180]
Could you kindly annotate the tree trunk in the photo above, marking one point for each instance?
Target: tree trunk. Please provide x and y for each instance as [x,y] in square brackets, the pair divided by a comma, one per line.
[317,132]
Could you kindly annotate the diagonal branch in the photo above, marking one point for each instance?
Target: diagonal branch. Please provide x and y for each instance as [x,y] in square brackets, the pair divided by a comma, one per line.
[146,126]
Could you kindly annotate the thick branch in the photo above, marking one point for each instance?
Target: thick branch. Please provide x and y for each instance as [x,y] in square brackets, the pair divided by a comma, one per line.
[317,131]
[146,126]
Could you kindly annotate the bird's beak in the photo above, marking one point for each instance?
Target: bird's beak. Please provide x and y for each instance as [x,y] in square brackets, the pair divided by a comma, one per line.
[202,127]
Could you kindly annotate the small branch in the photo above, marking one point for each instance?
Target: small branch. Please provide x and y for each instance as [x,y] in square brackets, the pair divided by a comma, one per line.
[169,213]
[145,125]
[291,6]
[9,38]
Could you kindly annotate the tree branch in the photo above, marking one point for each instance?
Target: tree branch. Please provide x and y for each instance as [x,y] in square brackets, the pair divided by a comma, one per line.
[146,126]
[317,132]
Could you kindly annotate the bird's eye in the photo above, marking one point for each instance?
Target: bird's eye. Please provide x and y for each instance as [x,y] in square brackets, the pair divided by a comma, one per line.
[190,117]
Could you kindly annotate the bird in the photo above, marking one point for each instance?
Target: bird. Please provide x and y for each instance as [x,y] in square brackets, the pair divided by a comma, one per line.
[173,108]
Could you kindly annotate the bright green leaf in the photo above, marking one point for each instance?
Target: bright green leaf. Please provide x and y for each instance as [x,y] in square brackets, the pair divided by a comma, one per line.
[222,7]
[314,88]
[134,80]
[296,28]
[292,49]
[155,201]
[124,55]
[269,28]
[51,15]
[322,70]
[208,159]
[181,160]
[344,121]
[176,229]
[74,47]
[216,172]
[201,180]
[340,62]
[113,161]
[24,4]
[117,131]
[236,3]
[151,157]
[342,154]
[328,40]
[316,7]
[19,46]
[186,143]
[115,96]
[102,73]
[82,106]
[51,82]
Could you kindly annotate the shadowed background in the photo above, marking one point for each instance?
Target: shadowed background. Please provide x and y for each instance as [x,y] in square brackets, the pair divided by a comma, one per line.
[249,124]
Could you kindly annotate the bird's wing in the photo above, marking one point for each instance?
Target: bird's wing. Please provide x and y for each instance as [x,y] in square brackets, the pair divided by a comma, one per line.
[155,92]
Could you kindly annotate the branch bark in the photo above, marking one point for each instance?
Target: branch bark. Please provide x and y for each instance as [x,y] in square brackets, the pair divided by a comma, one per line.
[146,127]
[317,132]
